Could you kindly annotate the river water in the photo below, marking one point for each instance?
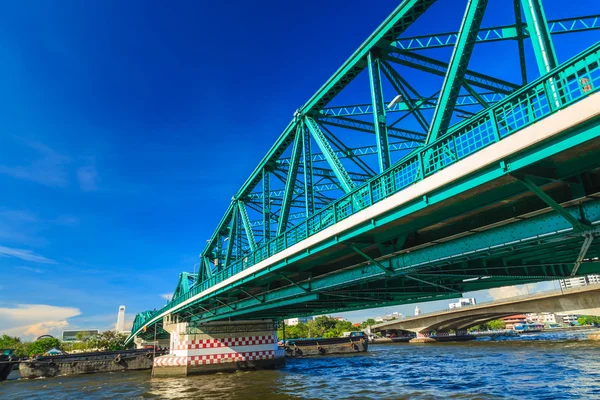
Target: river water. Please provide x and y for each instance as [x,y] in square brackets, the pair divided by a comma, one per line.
[556,365]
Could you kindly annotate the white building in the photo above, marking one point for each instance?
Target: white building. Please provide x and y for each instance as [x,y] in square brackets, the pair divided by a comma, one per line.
[417,311]
[463,303]
[568,319]
[296,321]
[579,281]
[545,318]
[120,325]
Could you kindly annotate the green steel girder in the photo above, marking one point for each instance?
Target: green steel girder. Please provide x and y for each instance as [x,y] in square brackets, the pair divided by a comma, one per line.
[498,33]
[290,183]
[399,83]
[403,106]
[520,36]
[186,280]
[394,25]
[457,69]
[309,197]
[266,205]
[379,121]
[573,220]
[231,238]
[437,67]
[205,269]
[541,40]
[323,173]
[340,172]
[364,126]
[549,227]
[246,225]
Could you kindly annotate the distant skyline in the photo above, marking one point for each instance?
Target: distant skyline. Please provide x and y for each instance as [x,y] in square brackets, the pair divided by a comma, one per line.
[127,127]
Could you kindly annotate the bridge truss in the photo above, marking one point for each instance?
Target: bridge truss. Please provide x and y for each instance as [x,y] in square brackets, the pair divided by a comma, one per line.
[423,106]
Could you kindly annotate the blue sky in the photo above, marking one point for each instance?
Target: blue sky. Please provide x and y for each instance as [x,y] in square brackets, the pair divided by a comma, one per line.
[127,126]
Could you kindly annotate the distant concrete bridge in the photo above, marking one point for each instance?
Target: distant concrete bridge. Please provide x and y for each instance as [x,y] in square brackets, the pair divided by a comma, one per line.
[582,300]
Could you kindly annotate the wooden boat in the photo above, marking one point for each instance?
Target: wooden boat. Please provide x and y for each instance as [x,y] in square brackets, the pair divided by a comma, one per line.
[357,342]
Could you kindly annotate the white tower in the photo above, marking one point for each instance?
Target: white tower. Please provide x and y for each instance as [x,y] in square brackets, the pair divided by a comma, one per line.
[120,319]
[417,311]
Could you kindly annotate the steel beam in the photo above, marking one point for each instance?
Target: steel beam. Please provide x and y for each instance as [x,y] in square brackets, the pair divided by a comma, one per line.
[266,206]
[379,121]
[528,183]
[290,184]
[231,238]
[457,68]
[308,172]
[582,253]
[543,47]
[398,83]
[340,172]
[499,33]
[437,67]
[247,226]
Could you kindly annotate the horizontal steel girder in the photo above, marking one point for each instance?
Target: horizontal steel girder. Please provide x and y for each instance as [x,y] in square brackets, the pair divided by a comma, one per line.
[506,239]
[437,67]
[498,33]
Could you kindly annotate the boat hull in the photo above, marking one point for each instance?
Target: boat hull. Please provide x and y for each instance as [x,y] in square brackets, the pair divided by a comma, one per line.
[6,366]
[87,363]
[322,347]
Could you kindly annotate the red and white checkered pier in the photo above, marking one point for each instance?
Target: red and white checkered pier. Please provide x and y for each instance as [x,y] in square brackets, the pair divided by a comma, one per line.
[219,346]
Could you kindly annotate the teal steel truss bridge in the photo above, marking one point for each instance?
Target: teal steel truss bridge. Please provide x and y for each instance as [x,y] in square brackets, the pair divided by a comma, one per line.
[411,175]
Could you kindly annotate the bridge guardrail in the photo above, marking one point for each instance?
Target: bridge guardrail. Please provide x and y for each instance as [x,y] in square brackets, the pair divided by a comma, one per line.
[566,84]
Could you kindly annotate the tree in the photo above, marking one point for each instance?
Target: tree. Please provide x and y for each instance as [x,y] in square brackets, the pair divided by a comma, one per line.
[41,346]
[109,340]
[588,320]
[9,342]
[496,325]
[367,323]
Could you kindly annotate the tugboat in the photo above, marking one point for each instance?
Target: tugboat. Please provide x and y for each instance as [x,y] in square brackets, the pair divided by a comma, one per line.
[355,342]
[7,361]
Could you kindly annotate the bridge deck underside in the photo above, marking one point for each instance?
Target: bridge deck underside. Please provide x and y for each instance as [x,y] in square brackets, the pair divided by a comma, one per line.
[432,250]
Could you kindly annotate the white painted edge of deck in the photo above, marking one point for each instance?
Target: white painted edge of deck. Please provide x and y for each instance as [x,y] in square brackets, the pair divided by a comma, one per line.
[576,114]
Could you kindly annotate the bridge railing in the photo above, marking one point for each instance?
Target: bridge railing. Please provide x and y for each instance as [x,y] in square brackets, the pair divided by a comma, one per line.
[561,87]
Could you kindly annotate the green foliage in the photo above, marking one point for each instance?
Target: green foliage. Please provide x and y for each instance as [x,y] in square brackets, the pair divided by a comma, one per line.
[41,346]
[20,348]
[368,323]
[495,325]
[322,326]
[588,320]
[108,340]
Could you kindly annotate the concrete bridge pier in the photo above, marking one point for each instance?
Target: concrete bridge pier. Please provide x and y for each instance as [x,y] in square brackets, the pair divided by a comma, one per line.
[223,346]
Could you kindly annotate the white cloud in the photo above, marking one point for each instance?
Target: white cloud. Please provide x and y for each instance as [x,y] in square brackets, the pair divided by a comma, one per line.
[167,296]
[36,270]
[88,178]
[26,255]
[35,319]
[49,168]
[507,291]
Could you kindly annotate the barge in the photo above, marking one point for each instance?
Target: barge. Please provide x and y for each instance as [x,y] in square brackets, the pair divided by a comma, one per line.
[357,342]
[88,363]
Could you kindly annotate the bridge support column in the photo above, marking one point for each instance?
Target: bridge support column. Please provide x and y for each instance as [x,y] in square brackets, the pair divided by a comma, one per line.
[219,347]
[422,338]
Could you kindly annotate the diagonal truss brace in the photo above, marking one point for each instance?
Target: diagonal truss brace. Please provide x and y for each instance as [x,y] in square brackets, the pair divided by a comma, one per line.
[247,225]
[380,125]
[390,271]
[290,184]
[584,249]
[231,237]
[577,224]
[338,169]
[399,85]
[457,69]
